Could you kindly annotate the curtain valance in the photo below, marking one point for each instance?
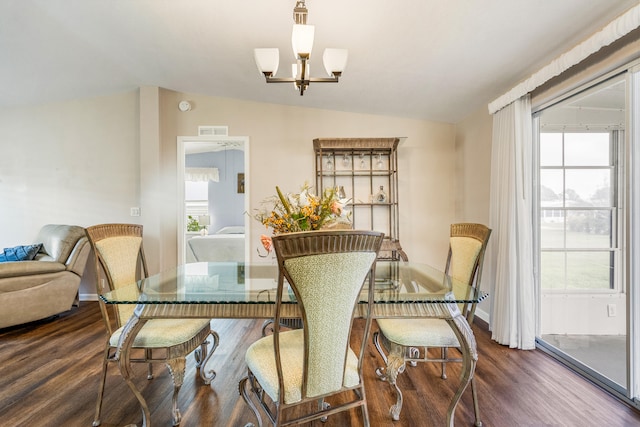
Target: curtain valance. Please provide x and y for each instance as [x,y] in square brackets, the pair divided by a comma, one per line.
[201,174]
[624,24]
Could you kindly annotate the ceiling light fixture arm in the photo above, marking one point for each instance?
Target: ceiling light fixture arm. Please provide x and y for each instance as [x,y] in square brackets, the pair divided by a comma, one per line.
[301,84]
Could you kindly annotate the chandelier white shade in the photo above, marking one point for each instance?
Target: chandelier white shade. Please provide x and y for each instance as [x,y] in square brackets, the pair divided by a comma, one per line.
[302,39]
[268,59]
[335,60]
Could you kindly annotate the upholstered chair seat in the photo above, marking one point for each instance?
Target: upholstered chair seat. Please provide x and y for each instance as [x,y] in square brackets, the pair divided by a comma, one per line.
[160,333]
[260,359]
[419,332]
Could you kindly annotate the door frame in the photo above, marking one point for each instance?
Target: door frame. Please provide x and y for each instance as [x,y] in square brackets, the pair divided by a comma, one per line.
[181,217]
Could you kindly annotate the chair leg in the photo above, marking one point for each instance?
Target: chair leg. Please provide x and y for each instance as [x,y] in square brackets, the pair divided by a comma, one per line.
[203,355]
[365,410]
[414,353]
[242,389]
[376,343]
[148,354]
[476,405]
[200,353]
[323,406]
[293,323]
[177,368]
[266,326]
[395,409]
[444,355]
[396,365]
[103,379]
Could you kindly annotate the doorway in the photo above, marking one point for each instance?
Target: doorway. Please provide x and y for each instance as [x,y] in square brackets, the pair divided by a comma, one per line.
[214,197]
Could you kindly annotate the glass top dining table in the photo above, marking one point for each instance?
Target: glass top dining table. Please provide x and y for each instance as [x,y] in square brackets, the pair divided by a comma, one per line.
[403,289]
[248,290]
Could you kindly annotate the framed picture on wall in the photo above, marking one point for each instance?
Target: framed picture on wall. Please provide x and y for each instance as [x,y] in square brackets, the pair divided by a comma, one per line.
[241,182]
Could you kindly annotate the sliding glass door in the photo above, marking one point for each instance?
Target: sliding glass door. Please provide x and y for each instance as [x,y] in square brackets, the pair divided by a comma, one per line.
[583,232]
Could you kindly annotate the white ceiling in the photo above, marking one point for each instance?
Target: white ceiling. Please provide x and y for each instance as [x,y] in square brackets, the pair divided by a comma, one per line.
[426,59]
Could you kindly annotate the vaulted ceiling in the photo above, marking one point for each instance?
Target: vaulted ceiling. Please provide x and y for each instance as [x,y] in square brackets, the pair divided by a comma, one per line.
[428,59]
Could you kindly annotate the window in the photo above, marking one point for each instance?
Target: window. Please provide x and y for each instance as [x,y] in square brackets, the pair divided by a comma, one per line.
[578,210]
[196,198]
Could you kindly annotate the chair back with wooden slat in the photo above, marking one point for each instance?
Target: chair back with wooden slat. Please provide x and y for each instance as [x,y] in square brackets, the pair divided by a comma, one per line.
[467,245]
[120,260]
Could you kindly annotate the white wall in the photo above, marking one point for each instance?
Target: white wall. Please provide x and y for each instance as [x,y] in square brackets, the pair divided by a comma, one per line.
[281,153]
[72,162]
[89,161]
[583,314]
[56,157]
[473,179]
[473,167]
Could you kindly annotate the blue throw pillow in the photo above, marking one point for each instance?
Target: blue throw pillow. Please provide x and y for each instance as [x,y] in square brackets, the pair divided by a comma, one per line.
[20,253]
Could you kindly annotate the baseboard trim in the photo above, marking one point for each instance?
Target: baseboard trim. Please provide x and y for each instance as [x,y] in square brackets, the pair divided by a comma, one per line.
[483,315]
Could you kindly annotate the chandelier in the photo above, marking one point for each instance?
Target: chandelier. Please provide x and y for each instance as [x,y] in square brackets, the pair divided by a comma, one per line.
[268,59]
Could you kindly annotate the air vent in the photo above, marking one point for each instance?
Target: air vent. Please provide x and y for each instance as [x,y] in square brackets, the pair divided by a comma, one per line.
[213,130]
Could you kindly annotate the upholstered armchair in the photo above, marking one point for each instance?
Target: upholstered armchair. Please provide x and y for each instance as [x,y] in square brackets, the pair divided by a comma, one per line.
[47,284]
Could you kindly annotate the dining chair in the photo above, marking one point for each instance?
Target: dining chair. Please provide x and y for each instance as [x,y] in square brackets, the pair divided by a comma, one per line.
[412,338]
[290,370]
[120,261]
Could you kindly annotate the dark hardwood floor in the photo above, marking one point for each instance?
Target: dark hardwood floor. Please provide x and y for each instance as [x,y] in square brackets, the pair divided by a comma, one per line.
[49,374]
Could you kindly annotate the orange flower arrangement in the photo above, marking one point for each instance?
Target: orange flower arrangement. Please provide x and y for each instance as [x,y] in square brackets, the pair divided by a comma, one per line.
[303,211]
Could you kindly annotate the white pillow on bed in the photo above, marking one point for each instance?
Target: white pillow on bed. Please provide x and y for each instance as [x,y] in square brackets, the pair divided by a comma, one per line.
[236,229]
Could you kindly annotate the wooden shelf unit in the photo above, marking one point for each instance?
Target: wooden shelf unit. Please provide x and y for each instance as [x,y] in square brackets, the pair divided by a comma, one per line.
[362,166]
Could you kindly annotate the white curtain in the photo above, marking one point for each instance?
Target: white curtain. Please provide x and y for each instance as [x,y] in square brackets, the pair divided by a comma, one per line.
[513,308]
